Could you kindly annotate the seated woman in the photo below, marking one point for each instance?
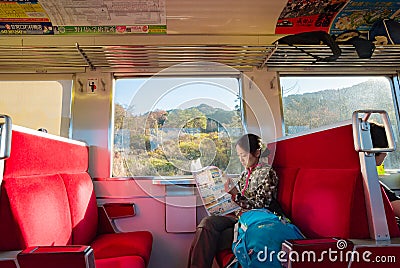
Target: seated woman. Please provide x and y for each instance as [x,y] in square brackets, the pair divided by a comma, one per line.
[257,188]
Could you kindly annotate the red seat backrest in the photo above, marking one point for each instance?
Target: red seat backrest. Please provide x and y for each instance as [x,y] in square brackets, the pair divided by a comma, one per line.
[34,211]
[47,196]
[321,186]
[83,206]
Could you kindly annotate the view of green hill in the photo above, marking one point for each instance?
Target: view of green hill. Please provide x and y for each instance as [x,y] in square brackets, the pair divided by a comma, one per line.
[165,142]
[312,110]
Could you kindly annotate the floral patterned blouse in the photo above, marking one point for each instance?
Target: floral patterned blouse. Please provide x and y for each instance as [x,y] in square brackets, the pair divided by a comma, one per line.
[258,188]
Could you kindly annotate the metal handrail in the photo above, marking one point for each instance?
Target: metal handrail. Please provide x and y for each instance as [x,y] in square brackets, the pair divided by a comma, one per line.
[5,137]
[363,123]
[378,226]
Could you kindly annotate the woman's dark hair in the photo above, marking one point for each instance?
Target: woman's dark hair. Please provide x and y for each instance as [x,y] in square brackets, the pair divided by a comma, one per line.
[378,135]
[251,143]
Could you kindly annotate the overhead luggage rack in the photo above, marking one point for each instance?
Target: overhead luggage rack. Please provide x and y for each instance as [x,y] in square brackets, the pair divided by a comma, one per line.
[40,59]
[126,58]
[287,58]
[153,58]
[161,57]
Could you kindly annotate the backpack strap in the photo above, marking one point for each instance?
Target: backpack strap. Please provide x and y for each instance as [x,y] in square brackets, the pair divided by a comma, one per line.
[387,30]
[313,38]
[317,58]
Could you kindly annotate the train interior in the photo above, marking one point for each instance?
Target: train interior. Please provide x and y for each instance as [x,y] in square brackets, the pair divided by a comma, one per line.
[109,181]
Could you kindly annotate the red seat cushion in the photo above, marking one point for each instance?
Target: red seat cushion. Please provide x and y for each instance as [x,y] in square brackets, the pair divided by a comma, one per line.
[123,244]
[323,203]
[7,264]
[121,262]
[394,230]
[32,154]
[83,206]
[34,211]
[287,178]
[223,257]
[318,150]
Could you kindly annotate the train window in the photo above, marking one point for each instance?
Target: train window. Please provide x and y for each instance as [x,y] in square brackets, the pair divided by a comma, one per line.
[311,102]
[168,126]
[38,104]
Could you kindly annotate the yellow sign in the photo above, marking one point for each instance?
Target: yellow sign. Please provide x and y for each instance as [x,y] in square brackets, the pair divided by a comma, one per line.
[22,12]
[381,169]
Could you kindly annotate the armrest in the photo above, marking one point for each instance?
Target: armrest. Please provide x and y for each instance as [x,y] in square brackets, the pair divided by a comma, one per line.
[323,252]
[8,259]
[380,255]
[119,210]
[109,212]
[57,256]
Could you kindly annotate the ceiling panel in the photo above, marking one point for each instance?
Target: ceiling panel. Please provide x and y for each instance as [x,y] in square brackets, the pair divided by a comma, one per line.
[223,16]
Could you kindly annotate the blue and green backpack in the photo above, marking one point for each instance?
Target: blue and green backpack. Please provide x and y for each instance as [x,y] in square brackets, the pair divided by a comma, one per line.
[260,234]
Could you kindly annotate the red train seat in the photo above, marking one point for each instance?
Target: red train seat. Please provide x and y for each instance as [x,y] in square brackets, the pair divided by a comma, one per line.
[47,200]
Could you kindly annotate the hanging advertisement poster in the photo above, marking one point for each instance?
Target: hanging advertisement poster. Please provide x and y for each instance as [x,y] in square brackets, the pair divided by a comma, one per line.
[308,15]
[107,16]
[111,29]
[361,14]
[16,28]
[24,17]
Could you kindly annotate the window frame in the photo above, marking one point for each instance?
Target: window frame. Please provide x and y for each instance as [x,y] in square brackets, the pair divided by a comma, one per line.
[176,179]
[67,94]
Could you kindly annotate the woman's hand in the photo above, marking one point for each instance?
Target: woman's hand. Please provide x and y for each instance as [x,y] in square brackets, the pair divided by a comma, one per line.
[230,186]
